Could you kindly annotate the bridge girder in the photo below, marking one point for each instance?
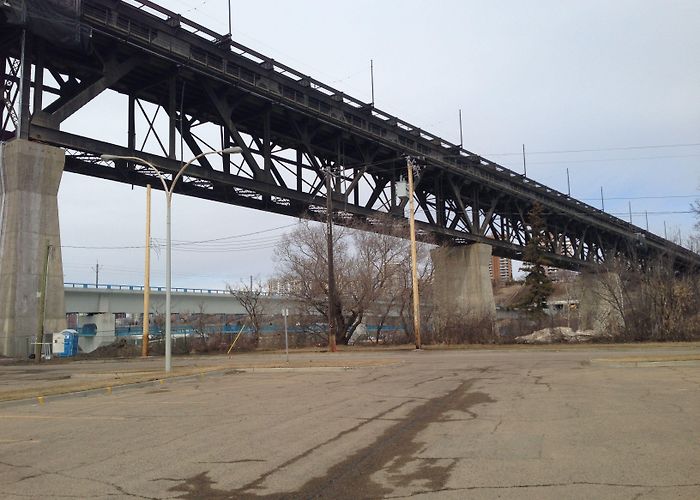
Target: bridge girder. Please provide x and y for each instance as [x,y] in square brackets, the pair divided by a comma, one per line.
[187,85]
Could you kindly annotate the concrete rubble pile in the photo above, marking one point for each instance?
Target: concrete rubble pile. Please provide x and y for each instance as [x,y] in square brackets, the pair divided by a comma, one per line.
[562,334]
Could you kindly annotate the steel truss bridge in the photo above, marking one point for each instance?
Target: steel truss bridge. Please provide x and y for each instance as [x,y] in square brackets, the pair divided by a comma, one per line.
[185,87]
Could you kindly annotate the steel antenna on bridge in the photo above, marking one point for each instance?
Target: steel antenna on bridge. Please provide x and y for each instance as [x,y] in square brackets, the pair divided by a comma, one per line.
[461,136]
[230,33]
[371,77]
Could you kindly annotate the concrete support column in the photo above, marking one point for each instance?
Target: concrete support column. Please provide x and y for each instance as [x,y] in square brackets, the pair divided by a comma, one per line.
[462,286]
[30,174]
[98,330]
[601,302]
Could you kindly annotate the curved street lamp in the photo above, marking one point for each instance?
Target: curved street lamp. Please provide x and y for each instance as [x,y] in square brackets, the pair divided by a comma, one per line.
[168,201]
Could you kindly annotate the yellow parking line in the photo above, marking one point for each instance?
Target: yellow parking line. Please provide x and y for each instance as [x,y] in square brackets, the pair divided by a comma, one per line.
[60,417]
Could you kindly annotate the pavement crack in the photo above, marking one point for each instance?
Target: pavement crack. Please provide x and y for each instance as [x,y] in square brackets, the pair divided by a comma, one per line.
[395,453]
[242,461]
[547,485]
[261,479]
[123,453]
[8,464]
[427,381]
[538,381]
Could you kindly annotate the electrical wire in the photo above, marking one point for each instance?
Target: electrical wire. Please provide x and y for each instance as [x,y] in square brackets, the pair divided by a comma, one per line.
[596,150]
[609,160]
[178,243]
[273,242]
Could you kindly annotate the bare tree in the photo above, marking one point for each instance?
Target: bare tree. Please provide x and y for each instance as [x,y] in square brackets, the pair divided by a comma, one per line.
[694,240]
[375,272]
[200,323]
[399,294]
[370,269]
[653,301]
[250,296]
[302,264]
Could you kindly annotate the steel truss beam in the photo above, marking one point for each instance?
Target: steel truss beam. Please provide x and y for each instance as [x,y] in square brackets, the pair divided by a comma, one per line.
[187,86]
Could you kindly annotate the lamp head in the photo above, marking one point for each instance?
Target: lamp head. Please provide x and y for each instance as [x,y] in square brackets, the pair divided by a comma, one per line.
[232,150]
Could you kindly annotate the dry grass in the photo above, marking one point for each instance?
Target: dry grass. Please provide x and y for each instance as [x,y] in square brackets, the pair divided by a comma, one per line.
[651,359]
[108,380]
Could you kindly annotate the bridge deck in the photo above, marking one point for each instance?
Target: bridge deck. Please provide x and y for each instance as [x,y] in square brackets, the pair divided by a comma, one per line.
[293,130]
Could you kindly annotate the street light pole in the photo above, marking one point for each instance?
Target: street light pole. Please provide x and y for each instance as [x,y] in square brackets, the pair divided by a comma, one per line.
[147,277]
[168,246]
[168,281]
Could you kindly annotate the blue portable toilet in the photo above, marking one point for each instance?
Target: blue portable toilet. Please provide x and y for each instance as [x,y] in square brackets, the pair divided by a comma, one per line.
[65,343]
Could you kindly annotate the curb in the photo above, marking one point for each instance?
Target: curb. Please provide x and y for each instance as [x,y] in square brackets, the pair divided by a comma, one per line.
[108,390]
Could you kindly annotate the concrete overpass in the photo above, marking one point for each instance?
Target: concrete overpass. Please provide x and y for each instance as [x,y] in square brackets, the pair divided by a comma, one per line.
[96,306]
[90,299]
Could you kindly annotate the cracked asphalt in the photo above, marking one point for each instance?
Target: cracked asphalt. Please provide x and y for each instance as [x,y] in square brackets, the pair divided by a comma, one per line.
[457,424]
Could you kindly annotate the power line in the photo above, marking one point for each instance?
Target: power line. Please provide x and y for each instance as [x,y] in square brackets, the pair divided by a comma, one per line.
[236,235]
[273,242]
[608,160]
[596,150]
[665,197]
[183,242]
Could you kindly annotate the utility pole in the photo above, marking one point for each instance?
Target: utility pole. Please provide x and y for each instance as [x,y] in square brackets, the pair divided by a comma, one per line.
[39,343]
[285,313]
[602,199]
[646,215]
[524,164]
[568,182]
[414,257]
[331,269]
[97,274]
[629,204]
[665,234]
[147,277]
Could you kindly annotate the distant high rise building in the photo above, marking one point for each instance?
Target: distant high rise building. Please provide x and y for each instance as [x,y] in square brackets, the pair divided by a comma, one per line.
[500,270]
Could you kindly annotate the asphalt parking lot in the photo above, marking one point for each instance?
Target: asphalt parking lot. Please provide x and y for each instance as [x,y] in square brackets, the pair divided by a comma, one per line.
[572,423]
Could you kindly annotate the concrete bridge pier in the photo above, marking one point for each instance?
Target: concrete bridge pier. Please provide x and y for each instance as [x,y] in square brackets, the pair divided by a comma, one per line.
[30,174]
[462,288]
[601,301]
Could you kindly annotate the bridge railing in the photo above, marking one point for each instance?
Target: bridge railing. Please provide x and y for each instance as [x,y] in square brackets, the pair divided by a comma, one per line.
[140,288]
[428,144]
[208,53]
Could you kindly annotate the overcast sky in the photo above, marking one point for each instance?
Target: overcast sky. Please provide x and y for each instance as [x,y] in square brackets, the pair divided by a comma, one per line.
[618,79]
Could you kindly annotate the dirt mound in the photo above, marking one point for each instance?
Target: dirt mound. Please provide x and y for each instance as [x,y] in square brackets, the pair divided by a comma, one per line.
[120,348]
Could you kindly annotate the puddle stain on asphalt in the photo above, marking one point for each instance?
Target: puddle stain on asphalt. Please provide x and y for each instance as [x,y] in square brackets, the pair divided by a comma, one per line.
[394,453]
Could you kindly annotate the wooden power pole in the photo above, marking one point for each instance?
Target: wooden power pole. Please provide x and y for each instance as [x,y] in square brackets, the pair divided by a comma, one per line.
[331,268]
[414,256]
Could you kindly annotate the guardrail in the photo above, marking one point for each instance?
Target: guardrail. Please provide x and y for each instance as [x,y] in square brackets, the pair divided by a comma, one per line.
[141,288]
